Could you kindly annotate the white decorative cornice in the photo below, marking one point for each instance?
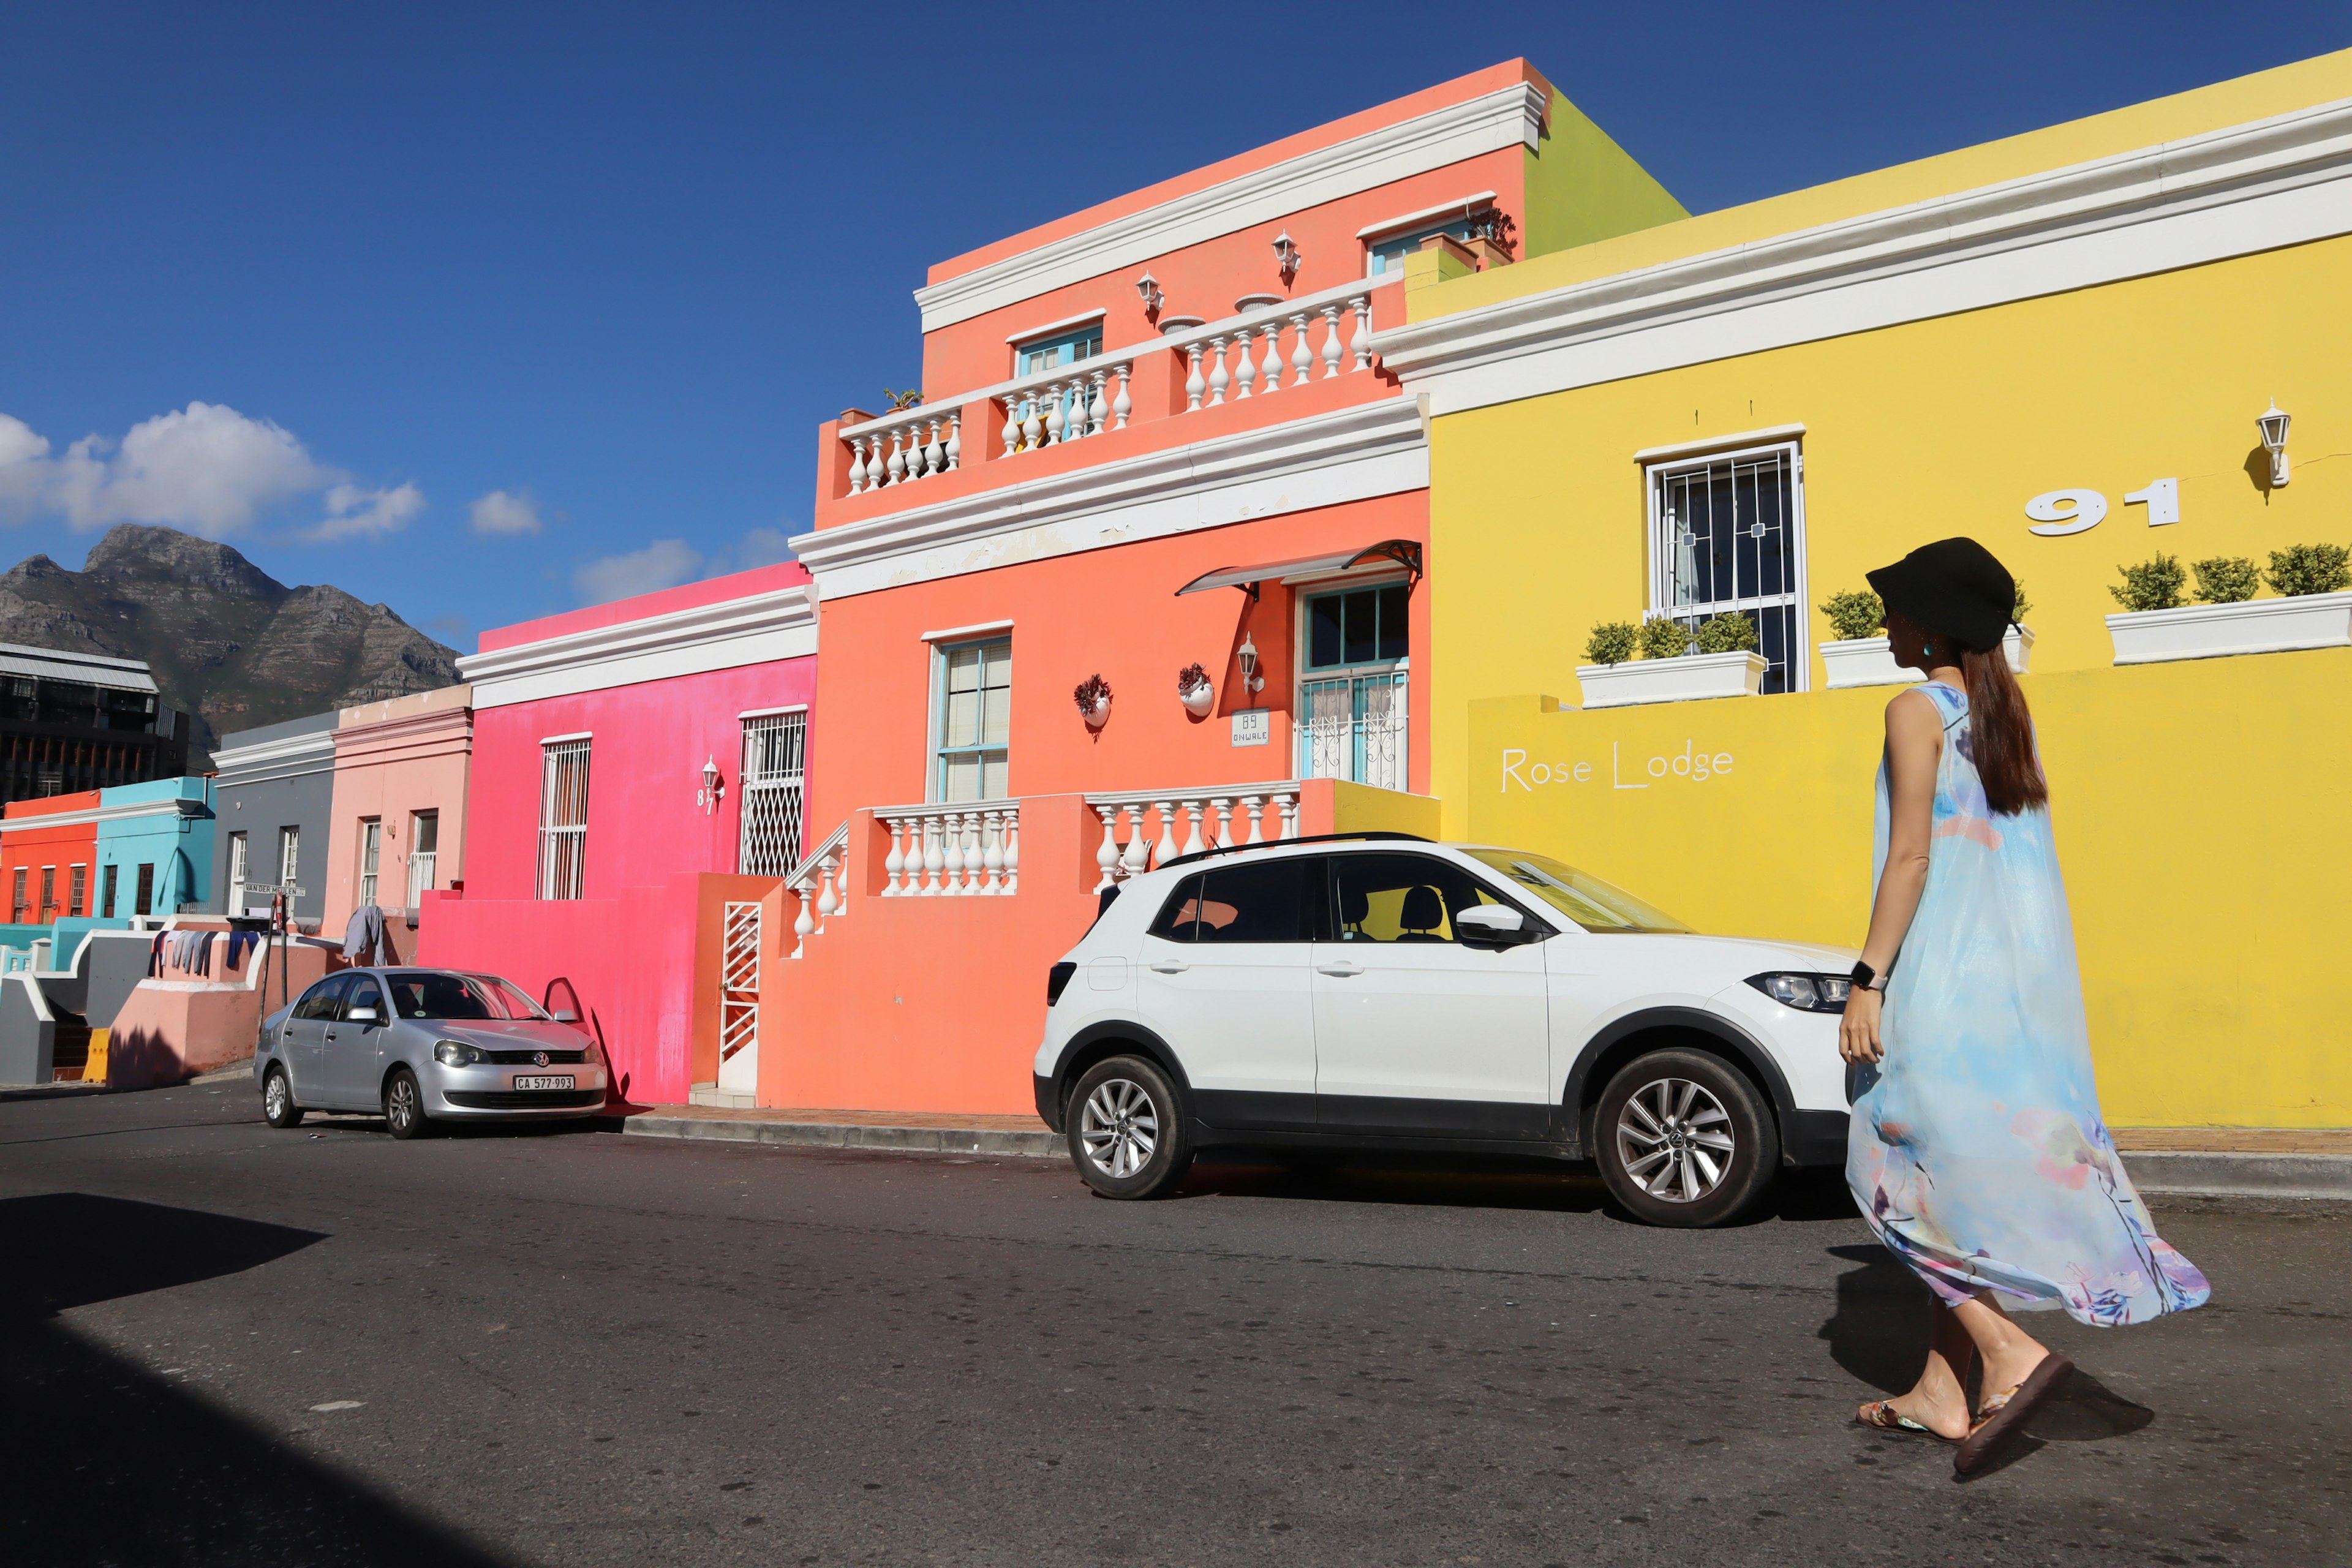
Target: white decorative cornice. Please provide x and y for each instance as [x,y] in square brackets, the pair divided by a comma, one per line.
[2246,188]
[754,629]
[170,805]
[1509,116]
[268,762]
[1365,449]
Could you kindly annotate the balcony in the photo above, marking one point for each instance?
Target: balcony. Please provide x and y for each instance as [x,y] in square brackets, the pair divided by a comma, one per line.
[1196,382]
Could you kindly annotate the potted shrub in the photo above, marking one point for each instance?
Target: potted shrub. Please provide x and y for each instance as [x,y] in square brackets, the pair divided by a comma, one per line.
[1093,697]
[1860,656]
[1195,691]
[1724,665]
[2158,623]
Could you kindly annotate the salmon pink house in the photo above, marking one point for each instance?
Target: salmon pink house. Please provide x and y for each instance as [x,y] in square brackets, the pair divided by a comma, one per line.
[1144,570]
[637,773]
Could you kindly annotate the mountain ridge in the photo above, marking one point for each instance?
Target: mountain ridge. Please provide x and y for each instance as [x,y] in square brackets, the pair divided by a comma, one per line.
[226,641]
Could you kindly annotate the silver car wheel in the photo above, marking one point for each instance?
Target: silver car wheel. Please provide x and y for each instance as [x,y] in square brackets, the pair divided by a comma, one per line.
[1119,1128]
[1674,1139]
[273,1096]
[400,1101]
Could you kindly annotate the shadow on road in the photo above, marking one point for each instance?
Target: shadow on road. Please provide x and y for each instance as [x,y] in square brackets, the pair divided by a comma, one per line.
[107,1463]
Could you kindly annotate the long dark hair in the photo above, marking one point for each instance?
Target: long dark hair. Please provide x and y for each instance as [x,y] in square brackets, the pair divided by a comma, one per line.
[2002,735]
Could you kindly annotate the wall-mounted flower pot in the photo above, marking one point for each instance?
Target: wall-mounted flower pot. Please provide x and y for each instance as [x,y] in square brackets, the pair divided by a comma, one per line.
[2216,631]
[1097,712]
[1198,700]
[1688,679]
[1865,661]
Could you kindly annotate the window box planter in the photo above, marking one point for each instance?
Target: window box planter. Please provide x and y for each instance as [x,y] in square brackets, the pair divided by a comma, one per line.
[2217,631]
[1865,661]
[1688,679]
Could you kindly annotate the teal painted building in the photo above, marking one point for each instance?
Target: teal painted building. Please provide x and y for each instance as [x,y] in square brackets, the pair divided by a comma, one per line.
[156,847]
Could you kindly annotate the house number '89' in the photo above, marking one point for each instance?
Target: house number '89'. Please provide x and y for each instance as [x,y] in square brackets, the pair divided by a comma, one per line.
[2071,512]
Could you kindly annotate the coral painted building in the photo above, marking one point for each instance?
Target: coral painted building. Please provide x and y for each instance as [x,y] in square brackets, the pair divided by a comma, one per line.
[396,829]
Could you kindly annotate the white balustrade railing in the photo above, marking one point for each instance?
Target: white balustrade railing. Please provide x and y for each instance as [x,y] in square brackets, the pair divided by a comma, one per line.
[968,849]
[822,882]
[1189,821]
[1318,336]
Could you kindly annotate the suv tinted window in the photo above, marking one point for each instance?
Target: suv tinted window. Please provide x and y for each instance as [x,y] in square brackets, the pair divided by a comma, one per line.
[1401,898]
[1256,900]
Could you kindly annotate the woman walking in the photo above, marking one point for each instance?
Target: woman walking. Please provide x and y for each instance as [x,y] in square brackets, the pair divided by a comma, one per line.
[1979,1154]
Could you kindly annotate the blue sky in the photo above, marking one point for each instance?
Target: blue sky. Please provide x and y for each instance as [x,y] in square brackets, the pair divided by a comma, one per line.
[486,311]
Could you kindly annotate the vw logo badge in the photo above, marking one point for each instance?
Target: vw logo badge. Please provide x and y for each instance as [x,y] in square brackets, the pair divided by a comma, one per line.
[538,1058]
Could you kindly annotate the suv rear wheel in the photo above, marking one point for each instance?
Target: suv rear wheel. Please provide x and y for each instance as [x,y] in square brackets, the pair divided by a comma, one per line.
[1126,1129]
[1685,1139]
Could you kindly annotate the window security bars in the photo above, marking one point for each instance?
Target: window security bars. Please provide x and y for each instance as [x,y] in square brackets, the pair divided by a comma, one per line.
[424,855]
[371,855]
[1352,727]
[563,819]
[775,766]
[1728,534]
[975,721]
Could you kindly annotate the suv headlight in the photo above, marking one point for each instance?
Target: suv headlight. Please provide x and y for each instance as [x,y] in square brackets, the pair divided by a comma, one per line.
[1805,993]
[456,1053]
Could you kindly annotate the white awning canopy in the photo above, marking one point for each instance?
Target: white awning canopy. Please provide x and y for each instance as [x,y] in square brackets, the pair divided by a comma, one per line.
[1404,553]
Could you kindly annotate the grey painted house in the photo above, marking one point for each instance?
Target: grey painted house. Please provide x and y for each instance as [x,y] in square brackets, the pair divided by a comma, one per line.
[274,797]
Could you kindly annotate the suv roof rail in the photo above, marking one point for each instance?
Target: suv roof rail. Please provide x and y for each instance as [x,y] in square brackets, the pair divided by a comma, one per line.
[1287,843]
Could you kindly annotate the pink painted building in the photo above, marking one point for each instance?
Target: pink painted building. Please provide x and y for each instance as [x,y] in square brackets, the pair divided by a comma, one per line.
[632,763]
[396,829]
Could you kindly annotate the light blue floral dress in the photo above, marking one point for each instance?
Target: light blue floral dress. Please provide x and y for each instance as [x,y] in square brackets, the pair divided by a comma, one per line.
[1980,1156]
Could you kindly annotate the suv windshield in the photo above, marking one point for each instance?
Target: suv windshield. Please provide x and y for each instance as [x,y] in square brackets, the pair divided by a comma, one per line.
[423,994]
[1594,904]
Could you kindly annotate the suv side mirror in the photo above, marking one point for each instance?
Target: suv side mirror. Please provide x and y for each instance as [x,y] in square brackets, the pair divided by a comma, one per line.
[360,1015]
[1499,924]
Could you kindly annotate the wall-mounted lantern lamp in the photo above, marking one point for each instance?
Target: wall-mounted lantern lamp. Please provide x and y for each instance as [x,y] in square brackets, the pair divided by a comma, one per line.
[2274,428]
[714,788]
[1147,287]
[1285,250]
[1246,656]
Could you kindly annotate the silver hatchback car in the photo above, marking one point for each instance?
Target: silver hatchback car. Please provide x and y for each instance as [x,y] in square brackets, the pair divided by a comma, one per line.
[422,1045]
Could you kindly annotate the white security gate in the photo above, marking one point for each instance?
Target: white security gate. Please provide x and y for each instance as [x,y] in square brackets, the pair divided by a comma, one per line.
[739,998]
[776,764]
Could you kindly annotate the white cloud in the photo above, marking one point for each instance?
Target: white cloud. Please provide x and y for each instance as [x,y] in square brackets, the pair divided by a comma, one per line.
[500,512]
[24,468]
[206,468]
[356,514]
[763,547]
[663,563]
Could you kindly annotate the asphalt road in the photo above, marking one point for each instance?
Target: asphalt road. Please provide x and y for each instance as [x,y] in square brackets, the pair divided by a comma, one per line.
[224,1344]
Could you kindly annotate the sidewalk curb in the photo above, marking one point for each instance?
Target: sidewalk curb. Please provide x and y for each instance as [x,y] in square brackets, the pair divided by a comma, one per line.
[2202,1174]
[1039,1144]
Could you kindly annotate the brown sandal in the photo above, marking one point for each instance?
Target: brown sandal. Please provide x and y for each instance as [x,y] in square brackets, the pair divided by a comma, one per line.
[2003,1416]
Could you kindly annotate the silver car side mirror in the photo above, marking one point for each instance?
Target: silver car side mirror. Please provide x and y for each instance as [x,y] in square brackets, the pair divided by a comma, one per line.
[565,1015]
[360,1015]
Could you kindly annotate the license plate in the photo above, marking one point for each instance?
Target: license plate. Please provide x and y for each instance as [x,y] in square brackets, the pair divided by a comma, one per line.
[551,1081]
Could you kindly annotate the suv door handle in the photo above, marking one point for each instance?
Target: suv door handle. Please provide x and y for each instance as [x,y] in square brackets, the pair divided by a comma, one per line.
[1170,966]
[1342,968]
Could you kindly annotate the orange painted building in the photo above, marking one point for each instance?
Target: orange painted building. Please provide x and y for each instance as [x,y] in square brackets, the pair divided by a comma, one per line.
[45,868]
[1158,453]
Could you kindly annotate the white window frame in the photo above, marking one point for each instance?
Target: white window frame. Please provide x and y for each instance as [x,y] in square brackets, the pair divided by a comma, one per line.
[770,807]
[1660,560]
[563,845]
[239,863]
[423,865]
[937,748]
[1304,592]
[370,859]
[289,855]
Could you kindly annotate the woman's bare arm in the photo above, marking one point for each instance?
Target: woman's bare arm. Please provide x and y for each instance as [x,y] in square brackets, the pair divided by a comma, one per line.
[1915,739]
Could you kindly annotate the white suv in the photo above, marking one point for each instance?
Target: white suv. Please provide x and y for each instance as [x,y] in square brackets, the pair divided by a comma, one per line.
[1377,990]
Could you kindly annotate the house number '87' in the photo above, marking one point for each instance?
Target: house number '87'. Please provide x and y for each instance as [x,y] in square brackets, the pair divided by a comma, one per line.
[2071,512]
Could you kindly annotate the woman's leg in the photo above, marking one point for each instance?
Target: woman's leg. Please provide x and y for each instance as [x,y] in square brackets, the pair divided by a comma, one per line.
[2009,1354]
[1939,1400]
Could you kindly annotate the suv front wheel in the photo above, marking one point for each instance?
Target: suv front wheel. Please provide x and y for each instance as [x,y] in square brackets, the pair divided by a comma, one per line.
[1685,1139]
[1126,1129]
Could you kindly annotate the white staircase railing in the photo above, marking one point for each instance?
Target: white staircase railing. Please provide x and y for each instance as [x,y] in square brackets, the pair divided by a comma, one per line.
[1189,821]
[826,871]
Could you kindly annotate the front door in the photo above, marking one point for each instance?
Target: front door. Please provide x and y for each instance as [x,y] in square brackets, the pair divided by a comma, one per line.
[306,1038]
[354,1048]
[1417,1033]
[1223,977]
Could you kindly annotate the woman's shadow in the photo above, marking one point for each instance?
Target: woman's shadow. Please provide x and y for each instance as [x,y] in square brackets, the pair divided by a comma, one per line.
[1879,1334]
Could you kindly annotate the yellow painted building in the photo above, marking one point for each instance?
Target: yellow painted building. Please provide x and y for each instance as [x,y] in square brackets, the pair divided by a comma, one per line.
[1748,408]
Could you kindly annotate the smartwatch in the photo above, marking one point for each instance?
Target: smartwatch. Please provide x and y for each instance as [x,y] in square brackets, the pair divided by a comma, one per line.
[1868,979]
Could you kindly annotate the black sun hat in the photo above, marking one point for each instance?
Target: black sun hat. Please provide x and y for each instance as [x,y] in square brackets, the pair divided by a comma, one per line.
[1954,588]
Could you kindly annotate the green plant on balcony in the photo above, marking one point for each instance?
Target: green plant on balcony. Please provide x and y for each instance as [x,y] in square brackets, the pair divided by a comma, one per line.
[911,398]
[1856,614]
[2301,569]
[1732,633]
[2226,579]
[1611,642]
[1664,639]
[2151,585]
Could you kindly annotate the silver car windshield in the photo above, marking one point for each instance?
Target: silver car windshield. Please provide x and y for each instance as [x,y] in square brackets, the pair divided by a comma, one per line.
[427,994]
[1595,905]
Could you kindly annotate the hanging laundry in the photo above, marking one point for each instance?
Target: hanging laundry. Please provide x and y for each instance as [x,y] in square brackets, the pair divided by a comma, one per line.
[363,939]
